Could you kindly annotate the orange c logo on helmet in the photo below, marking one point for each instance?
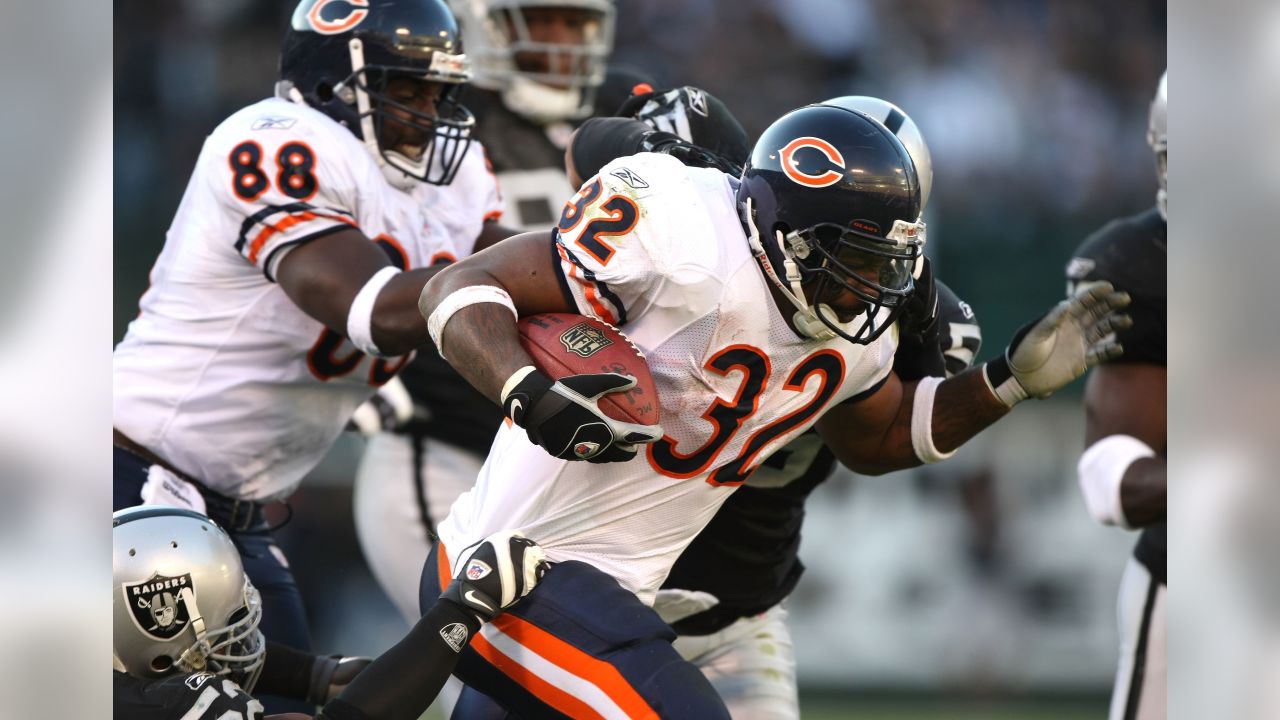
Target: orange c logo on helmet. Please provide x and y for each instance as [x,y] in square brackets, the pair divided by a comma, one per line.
[354,17]
[792,170]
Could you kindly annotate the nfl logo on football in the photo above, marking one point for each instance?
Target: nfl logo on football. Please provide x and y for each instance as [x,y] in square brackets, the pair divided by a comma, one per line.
[476,570]
[584,340]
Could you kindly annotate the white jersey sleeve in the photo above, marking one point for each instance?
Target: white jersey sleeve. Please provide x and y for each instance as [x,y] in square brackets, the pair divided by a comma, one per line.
[282,179]
[619,239]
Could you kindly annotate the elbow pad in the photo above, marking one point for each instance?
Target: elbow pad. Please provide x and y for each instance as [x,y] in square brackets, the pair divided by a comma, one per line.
[602,140]
[1101,470]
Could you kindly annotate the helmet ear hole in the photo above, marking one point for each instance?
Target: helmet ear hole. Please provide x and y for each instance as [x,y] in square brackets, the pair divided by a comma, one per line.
[324,91]
[161,663]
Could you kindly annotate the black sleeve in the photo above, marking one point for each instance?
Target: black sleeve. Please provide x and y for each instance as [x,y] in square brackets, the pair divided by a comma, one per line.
[285,672]
[959,333]
[404,680]
[602,140]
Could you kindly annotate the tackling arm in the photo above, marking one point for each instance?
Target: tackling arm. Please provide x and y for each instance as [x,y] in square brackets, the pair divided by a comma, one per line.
[324,277]
[902,425]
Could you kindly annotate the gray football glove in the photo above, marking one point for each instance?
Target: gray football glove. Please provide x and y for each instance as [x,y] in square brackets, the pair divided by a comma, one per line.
[496,572]
[1075,335]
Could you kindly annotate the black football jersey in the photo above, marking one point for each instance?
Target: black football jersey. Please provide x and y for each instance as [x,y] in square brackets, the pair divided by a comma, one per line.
[193,696]
[748,555]
[528,161]
[1132,254]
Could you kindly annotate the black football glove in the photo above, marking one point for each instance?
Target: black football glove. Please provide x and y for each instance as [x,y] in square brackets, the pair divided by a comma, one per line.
[711,135]
[496,572]
[565,419]
[330,675]
[665,143]
[919,352]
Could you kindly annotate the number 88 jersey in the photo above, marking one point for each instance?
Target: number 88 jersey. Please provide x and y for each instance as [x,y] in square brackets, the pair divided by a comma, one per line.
[657,248]
[221,374]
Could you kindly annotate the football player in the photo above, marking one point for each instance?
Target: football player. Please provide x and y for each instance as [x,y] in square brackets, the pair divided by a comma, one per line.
[186,643]
[539,69]
[286,290]
[724,594]
[764,306]
[1122,472]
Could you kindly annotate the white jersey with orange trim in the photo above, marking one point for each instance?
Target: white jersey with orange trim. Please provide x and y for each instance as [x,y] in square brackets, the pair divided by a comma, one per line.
[658,249]
[221,374]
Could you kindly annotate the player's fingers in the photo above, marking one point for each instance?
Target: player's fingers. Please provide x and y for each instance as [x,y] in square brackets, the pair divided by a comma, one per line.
[618,452]
[1108,349]
[1108,325]
[593,386]
[634,434]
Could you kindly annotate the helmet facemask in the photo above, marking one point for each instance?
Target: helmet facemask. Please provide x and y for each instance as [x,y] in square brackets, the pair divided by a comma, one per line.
[544,81]
[828,261]
[444,136]
[236,650]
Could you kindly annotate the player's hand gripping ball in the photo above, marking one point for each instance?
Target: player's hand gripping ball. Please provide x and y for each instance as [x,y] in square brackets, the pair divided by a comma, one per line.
[590,395]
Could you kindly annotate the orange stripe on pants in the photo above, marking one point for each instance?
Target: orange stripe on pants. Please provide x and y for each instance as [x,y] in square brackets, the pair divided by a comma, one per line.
[558,652]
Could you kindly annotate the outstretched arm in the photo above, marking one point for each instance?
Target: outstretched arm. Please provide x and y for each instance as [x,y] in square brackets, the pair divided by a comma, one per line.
[904,425]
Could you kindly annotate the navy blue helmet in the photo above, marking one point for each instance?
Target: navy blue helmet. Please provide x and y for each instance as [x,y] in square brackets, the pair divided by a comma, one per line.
[339,56]
[831,200]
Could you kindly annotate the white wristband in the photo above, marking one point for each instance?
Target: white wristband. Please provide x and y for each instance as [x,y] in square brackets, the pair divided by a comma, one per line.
[922,422]
[458,299]
[360,316]
[1101,468]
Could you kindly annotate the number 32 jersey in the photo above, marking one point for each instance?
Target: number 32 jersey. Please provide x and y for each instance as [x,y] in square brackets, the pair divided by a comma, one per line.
[221,374]
[657,249]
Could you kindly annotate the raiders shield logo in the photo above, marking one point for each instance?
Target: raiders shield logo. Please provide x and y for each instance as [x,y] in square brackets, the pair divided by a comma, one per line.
[157,605]
[584,340]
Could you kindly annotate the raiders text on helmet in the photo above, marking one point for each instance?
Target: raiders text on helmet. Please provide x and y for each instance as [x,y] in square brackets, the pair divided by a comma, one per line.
[180,597]
[831,201]
[339,55]
[543,81]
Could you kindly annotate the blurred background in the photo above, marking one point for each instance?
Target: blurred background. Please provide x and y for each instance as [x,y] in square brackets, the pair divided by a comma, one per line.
[976,588]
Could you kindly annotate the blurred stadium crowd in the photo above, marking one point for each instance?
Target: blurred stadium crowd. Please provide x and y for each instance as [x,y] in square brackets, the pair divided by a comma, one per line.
[982,575]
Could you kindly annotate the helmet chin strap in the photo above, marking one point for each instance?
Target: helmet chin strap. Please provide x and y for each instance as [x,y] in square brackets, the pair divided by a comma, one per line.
[196,656]
[363,106]
[541,103]
[806,319]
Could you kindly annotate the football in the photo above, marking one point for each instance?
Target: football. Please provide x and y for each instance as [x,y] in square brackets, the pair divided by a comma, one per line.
[564,344]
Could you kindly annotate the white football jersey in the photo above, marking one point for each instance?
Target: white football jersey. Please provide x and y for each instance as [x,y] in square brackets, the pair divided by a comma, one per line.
[221,374]
[658,249]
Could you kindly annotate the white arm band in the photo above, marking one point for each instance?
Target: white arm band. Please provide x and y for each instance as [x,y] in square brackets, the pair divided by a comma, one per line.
[1101,469]
[922,422]
[458,299]
[360,316]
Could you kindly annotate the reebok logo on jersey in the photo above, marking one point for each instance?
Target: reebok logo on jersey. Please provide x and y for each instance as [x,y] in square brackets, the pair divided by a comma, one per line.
[195,681]
[477,569]
[629,177]
[455,634]
[273,123]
